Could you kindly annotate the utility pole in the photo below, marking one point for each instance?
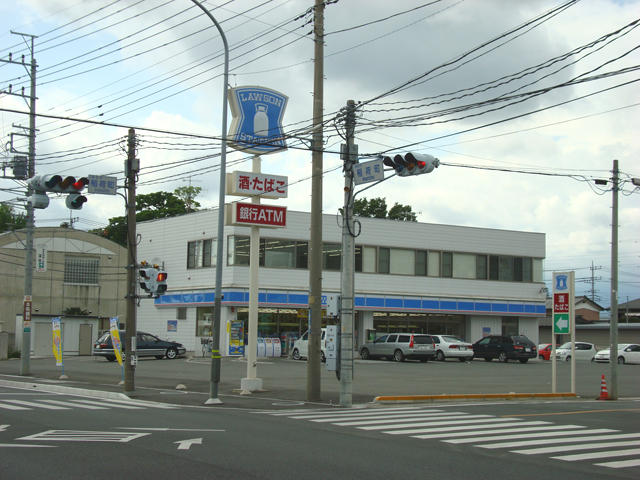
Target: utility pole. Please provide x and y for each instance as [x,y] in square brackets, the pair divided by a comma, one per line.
[347,287]
[315,239]
[613,325]
[25,357]
[131,169]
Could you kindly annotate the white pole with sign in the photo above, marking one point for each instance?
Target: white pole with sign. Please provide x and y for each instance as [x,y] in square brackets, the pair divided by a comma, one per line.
[564,305]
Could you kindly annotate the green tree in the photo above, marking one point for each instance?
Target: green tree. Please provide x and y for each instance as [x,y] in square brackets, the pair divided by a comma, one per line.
[9,220]
[149,207]
[377,208]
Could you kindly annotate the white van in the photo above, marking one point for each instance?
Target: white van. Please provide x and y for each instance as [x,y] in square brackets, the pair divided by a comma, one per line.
[301,346]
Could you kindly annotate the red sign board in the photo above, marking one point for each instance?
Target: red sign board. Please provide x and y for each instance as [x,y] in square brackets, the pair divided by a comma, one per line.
[259,215]
[561,303]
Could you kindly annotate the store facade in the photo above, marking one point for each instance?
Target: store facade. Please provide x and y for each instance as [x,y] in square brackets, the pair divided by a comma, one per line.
[410,277]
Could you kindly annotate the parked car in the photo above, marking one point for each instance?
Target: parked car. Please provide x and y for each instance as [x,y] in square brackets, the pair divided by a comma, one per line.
[450,346]
[147,345]
[584,352]
[301,346]
[544,351]
[627,353]
[505,348]
[400,346]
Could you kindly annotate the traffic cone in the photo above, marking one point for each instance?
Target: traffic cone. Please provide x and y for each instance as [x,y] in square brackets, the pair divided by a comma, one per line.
[604,394]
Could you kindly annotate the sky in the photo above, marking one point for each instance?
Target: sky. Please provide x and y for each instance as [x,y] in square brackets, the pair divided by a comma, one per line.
[524,103]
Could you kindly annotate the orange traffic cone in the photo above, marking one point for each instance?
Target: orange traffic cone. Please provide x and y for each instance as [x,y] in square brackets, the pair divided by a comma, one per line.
[604,394]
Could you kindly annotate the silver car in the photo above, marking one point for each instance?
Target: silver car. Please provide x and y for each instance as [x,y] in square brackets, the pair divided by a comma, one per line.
[400,346]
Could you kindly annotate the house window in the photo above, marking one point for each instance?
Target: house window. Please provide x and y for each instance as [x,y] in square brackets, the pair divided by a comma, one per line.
[181,313]
[81,270]
[201,253]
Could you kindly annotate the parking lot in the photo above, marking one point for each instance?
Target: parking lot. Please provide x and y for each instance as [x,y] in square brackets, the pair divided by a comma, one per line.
[285,379]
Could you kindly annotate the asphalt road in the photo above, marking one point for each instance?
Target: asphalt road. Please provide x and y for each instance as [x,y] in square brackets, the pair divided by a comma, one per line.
[46,435]
[285,380]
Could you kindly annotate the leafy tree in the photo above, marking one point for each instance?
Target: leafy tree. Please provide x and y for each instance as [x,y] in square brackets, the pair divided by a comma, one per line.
[149,207]
[75,311]
[377,208]
[9,220]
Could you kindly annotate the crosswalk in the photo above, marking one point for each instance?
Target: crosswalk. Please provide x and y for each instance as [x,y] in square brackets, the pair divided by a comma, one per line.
[570,443]
[70,403]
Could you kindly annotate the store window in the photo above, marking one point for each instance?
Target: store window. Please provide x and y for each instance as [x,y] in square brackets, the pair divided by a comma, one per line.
[204,321]
[181,313]
[279,253]
[464,265]
[331,256]
[402,262]
[81,270]
[447,264]
[481,267]
[421,263]
[201,253]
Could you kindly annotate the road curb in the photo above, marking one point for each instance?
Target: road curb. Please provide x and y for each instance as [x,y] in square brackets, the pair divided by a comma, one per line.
[474,397]
[84,392]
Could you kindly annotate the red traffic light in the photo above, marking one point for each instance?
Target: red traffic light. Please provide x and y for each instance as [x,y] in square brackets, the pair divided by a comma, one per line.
[162,276]
[80,184]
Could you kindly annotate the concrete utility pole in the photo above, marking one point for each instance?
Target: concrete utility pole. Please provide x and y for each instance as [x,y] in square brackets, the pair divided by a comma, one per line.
[613,326]
[315,239]
[347,286]
[131,169]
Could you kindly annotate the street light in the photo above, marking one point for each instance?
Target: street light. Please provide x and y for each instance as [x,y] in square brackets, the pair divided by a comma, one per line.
[215,347]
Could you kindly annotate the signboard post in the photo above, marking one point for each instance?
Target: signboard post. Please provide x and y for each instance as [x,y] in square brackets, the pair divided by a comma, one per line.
[563,320]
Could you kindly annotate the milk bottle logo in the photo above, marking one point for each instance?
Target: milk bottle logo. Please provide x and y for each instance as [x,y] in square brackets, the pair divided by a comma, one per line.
[257,120]
[261,121]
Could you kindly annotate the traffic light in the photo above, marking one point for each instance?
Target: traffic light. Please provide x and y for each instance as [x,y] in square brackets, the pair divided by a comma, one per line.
[411,163]
[56,183]
[161,282]
[148,278]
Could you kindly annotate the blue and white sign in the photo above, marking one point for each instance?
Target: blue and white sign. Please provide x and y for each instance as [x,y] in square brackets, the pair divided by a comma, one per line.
[368,172]
[102,184]
[257,120]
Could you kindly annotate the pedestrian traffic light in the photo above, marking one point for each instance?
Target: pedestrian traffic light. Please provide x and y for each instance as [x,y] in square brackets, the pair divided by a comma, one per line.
[56,183]
[411,163]
[148,278]
[161,282]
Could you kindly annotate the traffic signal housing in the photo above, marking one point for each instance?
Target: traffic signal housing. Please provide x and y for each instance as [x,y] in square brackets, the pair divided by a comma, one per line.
[161,282]
[58,184]
[411,163]
[148,279]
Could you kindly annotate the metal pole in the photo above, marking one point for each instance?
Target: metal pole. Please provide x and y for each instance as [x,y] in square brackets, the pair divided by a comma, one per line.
[613,326]
[215,336]
[315,239]
[347,268]
[131,327]
[25,356]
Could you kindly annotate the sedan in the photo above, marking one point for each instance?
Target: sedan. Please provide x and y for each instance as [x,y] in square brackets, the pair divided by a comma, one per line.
[584,352]
[450,346]
[147,345]
[627,353]
[544,351]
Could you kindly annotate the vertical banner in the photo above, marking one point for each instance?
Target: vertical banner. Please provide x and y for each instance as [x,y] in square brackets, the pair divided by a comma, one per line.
[235,330]
[115,339]
[57,341]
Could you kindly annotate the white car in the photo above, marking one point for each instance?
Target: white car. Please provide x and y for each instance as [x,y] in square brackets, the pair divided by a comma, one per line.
[450,346]
[584,352]
[301,346]
[627,353]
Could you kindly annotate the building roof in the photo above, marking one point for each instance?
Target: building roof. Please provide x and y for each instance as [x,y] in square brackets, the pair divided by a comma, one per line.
[633,305]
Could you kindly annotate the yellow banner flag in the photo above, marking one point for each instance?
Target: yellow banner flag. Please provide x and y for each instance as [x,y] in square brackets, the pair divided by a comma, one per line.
[57,341]
[115,339]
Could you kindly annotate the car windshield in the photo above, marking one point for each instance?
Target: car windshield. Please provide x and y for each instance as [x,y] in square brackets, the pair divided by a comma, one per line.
[451,339]
[566,346]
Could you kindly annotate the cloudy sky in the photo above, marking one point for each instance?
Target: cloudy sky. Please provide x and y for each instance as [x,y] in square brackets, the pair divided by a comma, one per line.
[525,103]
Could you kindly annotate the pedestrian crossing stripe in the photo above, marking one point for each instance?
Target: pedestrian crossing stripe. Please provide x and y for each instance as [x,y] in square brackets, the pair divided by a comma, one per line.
[75,403]
[517,435]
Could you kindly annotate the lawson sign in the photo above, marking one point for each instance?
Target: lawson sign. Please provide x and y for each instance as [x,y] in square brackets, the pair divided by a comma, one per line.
[257,120]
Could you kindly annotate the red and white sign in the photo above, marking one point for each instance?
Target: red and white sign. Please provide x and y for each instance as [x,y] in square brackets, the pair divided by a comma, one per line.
[247,184]
[258,215]
[561,302]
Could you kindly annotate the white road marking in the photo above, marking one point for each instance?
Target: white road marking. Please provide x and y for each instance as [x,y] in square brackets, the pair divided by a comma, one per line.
[25,403]
[84,436]
[185,444]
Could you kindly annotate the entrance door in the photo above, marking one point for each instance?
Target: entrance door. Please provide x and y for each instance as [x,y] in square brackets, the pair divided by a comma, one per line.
[86,339]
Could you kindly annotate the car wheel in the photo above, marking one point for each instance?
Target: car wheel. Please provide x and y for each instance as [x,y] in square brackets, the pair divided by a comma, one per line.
[488,359]
[523,360]
[398,356]
[541,357]
[593,359]
[172,353]
[620,360]
[322,357]
[502,357]
[159,357]
[440,356]
[364,354]
[462,359]
[568,358]
[296,354]
[111,359]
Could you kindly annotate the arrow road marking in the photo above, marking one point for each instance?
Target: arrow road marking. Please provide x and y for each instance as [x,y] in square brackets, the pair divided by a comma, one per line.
[3,428]
[185,444]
